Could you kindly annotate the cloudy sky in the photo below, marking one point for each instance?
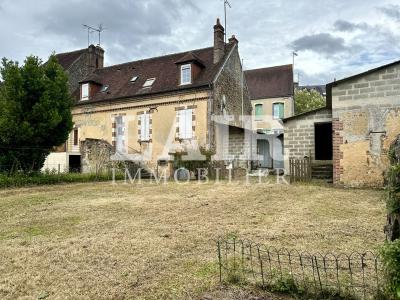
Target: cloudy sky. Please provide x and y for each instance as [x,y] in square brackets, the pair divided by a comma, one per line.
[334,38]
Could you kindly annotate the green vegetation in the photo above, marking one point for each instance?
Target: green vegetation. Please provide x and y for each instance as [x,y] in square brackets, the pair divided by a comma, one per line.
[390,252]
[391,258]
[306,100]
[35,112]
[19,179]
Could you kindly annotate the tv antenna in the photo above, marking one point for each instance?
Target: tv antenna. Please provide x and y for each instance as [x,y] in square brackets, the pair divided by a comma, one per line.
[226,3]
[91,29]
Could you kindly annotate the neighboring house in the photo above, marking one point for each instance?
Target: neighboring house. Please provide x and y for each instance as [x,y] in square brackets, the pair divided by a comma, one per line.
[362,116]
[156,109]
[321,89]
[271,94]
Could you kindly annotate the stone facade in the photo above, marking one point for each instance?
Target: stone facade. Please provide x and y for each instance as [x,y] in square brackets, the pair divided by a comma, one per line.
[299,134]
[227,101]
[366,120]
[88,61]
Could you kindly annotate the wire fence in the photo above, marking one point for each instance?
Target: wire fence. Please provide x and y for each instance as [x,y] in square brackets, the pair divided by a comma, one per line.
[351,276]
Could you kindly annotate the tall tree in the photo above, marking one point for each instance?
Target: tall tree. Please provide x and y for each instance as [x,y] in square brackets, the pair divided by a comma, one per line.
[35,112]
[306,100]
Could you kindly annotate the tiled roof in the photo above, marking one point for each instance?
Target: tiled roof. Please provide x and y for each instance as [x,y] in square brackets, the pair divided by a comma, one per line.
[68,58]
[164,69]
[270,82]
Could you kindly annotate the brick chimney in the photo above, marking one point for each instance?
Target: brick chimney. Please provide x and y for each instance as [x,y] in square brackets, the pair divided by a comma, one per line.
[219,44]
[233,40]
[95,57]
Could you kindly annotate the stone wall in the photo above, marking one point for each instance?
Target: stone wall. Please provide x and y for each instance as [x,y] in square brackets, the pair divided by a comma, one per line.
[299,134]
[228,85]
[366,120]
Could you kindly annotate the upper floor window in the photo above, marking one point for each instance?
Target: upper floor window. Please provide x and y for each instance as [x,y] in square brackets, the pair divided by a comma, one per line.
[278,110]
[85,91]
[258,112]
[186,74]
[144,127]
[149,82]
[185,124]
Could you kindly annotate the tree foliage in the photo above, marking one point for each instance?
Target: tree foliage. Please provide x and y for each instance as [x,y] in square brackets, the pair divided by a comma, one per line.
[306,100]
[35,112]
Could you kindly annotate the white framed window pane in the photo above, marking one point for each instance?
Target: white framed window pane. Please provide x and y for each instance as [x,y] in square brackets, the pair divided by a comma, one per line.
[85,91]
[186,74]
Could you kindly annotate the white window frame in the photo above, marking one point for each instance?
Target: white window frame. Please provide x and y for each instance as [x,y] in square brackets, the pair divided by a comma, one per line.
[85,91]
[144,127]
[185,68]
[185,124]
[273,110]
[149,82]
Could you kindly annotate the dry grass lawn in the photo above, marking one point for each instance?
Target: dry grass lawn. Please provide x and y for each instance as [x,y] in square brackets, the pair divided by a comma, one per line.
[99,241]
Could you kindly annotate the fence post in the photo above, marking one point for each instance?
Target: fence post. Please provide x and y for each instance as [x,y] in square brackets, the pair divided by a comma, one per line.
[261,266]
[219,261]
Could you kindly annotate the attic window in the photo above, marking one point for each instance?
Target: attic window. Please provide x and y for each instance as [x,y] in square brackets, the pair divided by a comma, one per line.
[85,91]
[104,88]
[149,82]
[134,78]
[186,74]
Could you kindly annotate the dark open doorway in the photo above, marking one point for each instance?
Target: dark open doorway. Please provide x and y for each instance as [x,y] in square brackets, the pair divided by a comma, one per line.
[323,141]
[75,163]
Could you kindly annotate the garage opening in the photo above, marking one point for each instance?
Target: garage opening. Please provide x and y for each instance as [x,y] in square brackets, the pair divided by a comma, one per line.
[323,141]
[74,163]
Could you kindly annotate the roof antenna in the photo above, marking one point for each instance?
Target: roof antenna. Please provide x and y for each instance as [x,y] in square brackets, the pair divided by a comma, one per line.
[226,3]
[91,29]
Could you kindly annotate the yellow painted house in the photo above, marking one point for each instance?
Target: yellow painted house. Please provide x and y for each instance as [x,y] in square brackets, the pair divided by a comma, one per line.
[153,109]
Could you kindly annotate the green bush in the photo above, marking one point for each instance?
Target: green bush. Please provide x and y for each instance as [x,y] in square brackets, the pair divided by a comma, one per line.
[390,254]
[24,179]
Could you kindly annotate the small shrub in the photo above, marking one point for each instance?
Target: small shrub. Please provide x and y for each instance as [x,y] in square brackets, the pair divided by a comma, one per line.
[390,254]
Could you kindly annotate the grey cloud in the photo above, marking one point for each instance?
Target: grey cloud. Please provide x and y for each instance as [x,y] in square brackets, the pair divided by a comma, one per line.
[345,26]
[323,43]
[134,29]
[392,11]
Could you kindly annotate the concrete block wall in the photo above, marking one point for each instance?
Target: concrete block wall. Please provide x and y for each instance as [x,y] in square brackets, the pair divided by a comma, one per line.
[299,135]
[366,120]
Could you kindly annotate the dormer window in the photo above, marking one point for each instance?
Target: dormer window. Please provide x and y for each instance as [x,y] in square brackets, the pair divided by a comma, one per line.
[85,91]
[149,82]
[186,74]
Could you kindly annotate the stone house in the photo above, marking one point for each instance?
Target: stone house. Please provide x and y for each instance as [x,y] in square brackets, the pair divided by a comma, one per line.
[155,109]
[361,118]
[271,95]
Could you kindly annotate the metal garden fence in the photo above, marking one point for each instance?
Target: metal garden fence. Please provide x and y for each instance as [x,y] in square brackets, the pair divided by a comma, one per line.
[351,276]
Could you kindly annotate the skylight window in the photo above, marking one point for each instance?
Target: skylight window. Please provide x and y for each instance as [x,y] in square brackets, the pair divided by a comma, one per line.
[149,82]
[134,78]
[104,88]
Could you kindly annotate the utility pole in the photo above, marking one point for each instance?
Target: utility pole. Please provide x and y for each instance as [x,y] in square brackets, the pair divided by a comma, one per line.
[294,53]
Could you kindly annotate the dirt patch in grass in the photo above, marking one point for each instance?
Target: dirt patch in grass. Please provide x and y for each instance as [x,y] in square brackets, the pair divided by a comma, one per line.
[103,241]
